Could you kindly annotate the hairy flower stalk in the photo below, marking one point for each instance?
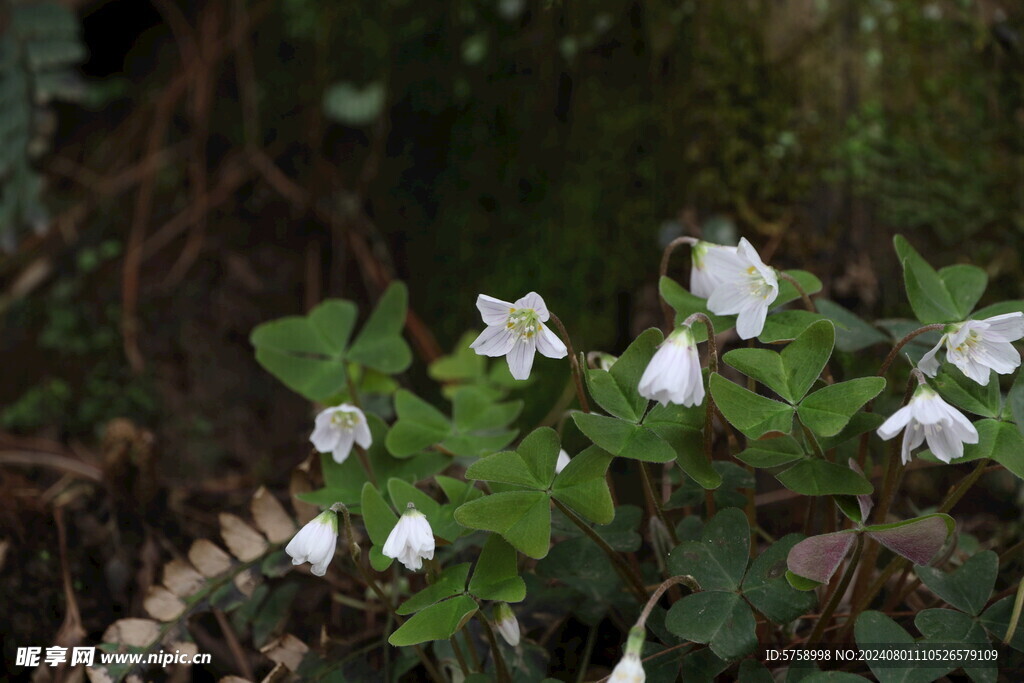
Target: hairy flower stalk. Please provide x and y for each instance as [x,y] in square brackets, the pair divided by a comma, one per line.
[411,541]
[746,287]
[673,374]
[517,331]
[928,417]
[315,542]
[336,429]
[977,347]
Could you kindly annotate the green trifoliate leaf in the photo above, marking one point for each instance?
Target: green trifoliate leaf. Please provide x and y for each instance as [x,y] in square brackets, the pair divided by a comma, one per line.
[379,519]
[816,477]
[496,575]
[419,425]
[829,409]
[996,620]
[766,588]
[582,486]
[523,518]
[874,629]
[790,373]
[772,452]
[939,297]
[623,439]
[723,620]
[852,333]
[719,560]
[437,622]
[965,393]
[787,325]
[452,581]
[616,390]
[753,415]
[968,587]
[379,344]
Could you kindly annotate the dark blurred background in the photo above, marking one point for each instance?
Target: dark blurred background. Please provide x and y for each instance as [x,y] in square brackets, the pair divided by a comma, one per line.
[174,173]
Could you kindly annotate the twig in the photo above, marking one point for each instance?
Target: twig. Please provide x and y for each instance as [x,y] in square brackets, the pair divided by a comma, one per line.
[244,667]
[574,362]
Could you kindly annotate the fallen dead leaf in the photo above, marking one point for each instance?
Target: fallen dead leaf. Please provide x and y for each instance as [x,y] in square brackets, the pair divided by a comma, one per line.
[162,604]
[208,558]
[287,650]
[135,632]
[242,540]
[181,578]
[271,517]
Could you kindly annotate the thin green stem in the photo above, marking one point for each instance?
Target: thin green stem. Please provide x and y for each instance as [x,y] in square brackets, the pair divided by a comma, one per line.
[459,656]
[625,571]
[499,660]
[473,656]
[837,594]
[654,503]
[574,362]
[709,415]
[809,436]
[965,484]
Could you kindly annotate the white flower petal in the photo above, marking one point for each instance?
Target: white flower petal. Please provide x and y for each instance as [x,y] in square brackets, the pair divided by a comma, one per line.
[533,300]
[496,340]
[563,460]
[362,433]
[549,344]
[344,446]
[750,322]
[493,311]
[928,364]
[1007,327]
[895,424]
[520,358]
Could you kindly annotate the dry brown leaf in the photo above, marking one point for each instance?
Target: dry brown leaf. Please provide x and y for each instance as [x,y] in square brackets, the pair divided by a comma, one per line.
[135,632]
[5,545]
[246,582]
[234,679]
[162,604]
[181,578]
[279,673]
[271,517]
[287,650]
[185,647]
[242,540]
[208,558]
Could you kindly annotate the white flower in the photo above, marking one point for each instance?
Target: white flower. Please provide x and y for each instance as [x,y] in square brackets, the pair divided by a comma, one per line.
[315,542]
[705,276]
[563,460]
[673,375]
[337,428]
[411,540]
[505,622]
[629,670]
[978,346]
[516,331]
[927,416]
[747,288]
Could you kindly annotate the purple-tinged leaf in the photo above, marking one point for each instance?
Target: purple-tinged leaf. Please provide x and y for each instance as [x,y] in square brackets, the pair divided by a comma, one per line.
[916,539]
[818,557]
